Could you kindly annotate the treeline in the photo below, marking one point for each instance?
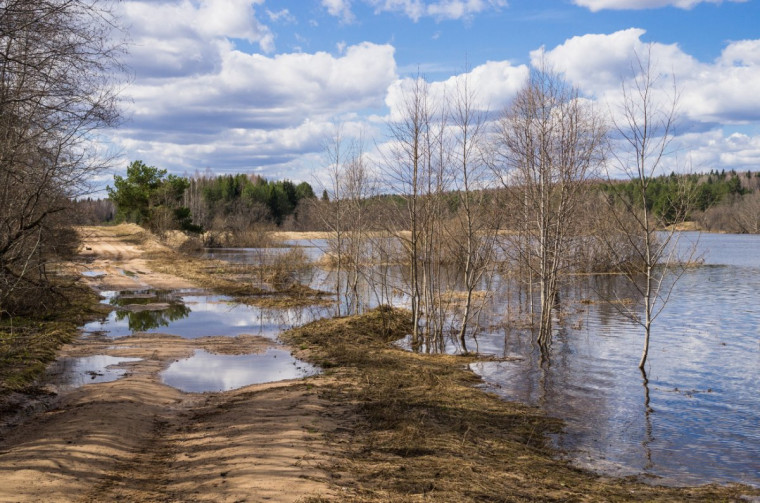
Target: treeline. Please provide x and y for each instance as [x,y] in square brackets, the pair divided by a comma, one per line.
[216,200]
[226,207]
[713,199]
[236,205]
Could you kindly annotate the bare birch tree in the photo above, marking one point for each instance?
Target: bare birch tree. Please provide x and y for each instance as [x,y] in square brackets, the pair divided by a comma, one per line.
[474,234]
[645,127]
[404,167]
[333,211]
[548,143]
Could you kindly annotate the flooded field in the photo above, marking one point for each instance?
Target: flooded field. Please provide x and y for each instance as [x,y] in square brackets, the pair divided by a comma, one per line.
[694,417]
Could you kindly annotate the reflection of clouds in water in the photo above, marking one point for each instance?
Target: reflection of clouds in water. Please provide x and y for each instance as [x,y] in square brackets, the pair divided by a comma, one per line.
[193,316]
[703,379]
[77,372]
[210,372]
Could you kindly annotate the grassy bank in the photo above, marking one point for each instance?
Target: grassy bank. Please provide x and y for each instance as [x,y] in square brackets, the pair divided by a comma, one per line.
[426,433]
[29,344]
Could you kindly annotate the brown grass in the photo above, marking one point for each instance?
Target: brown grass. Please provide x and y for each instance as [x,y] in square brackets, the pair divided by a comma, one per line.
[249,284]
[427,434]
[29,344]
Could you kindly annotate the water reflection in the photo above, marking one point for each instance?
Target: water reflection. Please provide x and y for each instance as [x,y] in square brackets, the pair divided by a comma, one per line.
[193,314]
[693,416]
[205,371]
[76,372]
[145,320]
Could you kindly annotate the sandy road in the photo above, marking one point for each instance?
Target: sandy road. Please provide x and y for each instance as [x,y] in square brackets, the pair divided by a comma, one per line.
[136,439]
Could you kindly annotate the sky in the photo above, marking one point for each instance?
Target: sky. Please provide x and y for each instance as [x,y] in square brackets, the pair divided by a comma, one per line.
[241,86]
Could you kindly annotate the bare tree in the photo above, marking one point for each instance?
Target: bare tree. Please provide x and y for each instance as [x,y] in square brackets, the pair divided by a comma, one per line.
[548,143]
[358,188]
[57,90]
[333,211]
[404,167]
[474,234]
[645,127]
[746,213]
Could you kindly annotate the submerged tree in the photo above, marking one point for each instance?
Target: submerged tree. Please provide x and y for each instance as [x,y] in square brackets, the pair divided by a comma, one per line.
[404,167]
[474,228]
[645,128]
[548,143]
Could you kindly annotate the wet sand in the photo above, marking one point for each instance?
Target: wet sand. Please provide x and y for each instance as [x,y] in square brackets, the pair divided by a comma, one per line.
[137,439]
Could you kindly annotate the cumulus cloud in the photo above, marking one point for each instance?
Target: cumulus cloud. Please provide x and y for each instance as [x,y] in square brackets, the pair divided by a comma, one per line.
[711,94]
[183,37]
[717,150]
[724,90]
[597,5]
[495,84]
[253,110]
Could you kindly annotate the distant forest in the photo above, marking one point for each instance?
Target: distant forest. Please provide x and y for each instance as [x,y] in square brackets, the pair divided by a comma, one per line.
[717,201]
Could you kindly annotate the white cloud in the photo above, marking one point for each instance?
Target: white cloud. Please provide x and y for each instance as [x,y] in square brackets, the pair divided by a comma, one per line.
[283,15]
[183,37]
[495,84]
[712,94]
[724,90]
[440,9]
[340,9]
[597,5]
[701,152]
[252,111]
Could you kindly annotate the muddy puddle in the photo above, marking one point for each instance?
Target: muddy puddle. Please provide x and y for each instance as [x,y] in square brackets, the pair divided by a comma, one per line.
[205,372]
[192,314]
[195,316]
[76,372]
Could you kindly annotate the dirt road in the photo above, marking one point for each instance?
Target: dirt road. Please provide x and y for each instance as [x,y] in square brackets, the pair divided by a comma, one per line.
[136,439]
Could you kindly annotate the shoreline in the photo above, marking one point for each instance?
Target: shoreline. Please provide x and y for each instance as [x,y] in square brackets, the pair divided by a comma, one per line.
[379,424]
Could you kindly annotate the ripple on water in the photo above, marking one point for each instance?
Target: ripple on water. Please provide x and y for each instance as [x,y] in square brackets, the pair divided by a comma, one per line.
[208,372]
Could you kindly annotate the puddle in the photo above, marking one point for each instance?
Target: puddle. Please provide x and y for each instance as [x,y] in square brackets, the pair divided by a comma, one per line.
[93,274]
[76,372]
[192,314]
[205,371]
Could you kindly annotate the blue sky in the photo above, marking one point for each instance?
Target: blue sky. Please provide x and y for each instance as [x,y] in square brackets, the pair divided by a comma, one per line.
[256,86]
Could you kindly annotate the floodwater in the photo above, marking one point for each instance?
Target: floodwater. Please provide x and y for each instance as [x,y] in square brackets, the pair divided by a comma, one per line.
[694,417]
[192,314]
[76,372]
[206,371]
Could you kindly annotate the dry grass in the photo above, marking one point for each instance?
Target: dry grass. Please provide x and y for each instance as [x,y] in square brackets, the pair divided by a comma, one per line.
[427,434]
[28,345]
[250,284]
